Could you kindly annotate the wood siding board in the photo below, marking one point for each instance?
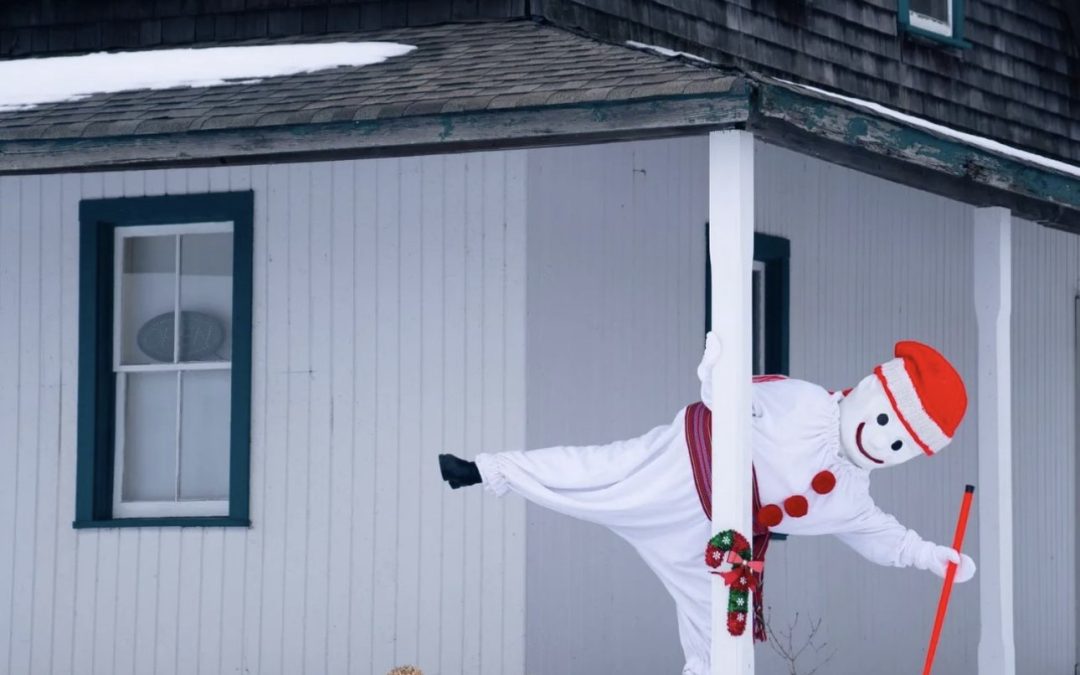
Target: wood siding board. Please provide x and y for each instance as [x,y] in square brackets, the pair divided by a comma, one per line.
[452,591]
[10,274]
[316,597]
[408,549]
[342,320]
[429,408]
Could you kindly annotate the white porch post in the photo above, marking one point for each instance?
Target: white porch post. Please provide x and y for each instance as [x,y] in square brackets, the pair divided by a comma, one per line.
[731,249]
[993,309]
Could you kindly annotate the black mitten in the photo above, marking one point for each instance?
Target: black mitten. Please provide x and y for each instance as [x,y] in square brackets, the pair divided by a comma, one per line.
[458,472]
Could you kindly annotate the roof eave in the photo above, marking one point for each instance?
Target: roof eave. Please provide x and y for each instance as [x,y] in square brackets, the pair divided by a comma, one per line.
[847,135]
[578,123]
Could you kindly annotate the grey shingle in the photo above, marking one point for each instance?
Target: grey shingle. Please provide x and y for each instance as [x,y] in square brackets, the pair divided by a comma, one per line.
[456,68]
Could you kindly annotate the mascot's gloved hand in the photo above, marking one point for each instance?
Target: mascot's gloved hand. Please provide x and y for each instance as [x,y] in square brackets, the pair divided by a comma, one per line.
[458,472]
[934,558]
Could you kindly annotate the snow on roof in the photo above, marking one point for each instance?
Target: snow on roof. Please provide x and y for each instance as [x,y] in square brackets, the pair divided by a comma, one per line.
[25,83]
[664,51]
[941,130]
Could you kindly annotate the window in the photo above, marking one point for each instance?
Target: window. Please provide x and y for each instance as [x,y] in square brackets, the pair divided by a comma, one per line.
[940,20]
[164,361]
[769,287]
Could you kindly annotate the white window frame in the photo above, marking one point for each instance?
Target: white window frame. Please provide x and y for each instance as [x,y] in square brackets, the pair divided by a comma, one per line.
[178,507]
[933,24]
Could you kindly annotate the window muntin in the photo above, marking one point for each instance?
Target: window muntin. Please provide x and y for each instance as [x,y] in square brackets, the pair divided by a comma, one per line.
[172,369]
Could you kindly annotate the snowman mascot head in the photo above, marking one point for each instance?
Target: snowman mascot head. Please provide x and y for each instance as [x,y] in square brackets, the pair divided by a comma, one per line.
[909,406]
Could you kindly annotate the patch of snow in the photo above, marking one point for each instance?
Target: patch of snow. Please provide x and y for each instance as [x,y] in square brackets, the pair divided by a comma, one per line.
[25,83]
[664,51]
[970,139]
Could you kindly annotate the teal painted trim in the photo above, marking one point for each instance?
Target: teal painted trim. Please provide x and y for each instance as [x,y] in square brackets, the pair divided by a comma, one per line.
[240,435]
[93,481]
[903,18]
[775,253]
[201,521]
[94,465]
[848,125]
[958,24]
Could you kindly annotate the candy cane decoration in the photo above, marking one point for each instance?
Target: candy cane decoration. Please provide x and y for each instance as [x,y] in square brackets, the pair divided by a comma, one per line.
[743,577]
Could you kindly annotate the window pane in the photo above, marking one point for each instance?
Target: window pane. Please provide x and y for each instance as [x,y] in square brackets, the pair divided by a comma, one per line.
[204,434]
[758,318]
[206,297]
[149,441]
[147,296]
[938,9]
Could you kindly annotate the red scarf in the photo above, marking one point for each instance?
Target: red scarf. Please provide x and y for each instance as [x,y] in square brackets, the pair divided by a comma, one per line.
[699,440]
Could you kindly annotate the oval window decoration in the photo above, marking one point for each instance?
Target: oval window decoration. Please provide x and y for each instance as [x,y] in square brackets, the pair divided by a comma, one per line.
[201,336]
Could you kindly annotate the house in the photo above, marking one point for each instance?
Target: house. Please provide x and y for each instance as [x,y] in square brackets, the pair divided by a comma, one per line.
[498,240]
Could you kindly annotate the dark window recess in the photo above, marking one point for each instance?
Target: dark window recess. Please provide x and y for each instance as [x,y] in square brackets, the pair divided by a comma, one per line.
[770,287]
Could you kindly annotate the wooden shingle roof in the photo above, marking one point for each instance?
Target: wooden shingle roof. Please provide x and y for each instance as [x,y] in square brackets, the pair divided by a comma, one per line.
[456,68]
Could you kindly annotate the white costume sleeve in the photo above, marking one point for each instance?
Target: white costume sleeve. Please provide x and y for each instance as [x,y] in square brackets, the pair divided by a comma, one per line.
[879,537]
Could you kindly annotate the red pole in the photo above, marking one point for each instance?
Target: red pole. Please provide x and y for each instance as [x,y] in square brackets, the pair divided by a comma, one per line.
[950,575]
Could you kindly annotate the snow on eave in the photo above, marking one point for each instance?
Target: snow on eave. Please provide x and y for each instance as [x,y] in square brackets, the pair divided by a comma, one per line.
[25,83]
[948,132]
[664,51]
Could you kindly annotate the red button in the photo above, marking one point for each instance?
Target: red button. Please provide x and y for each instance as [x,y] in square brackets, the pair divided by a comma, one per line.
[796,506]
[770,515]
[824,482]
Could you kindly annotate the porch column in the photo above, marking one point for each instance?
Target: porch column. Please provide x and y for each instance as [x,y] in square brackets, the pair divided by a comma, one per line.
[731,250]
[993,309]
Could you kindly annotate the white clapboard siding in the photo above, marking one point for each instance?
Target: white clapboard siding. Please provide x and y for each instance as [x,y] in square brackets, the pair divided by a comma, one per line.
[874,262]
[616,323]
[389,325]
[1046,273]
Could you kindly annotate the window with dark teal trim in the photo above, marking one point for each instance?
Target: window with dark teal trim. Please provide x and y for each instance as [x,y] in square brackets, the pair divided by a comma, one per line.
[771,288]
[202,226]
[938,20]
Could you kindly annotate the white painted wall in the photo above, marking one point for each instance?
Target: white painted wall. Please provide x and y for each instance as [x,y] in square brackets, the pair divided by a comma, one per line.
[616,287]
[629,248]
[359,558]
[874,262]
[389,325]
[1046,272]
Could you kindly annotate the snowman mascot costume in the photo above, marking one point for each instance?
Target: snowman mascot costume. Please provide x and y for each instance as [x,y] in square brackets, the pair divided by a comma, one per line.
[813,452]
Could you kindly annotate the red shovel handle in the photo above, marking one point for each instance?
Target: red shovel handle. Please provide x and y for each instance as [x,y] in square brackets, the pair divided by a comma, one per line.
[950,576]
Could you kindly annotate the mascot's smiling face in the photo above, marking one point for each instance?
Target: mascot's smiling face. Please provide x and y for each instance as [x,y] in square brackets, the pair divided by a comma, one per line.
[870,430]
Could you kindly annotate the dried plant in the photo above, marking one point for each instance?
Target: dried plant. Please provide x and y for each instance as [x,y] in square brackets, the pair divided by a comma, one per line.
[405,670]
[791,649]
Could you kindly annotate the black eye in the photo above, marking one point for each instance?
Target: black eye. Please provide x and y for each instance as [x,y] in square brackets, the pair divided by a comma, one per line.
[882,419]
[897,445]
